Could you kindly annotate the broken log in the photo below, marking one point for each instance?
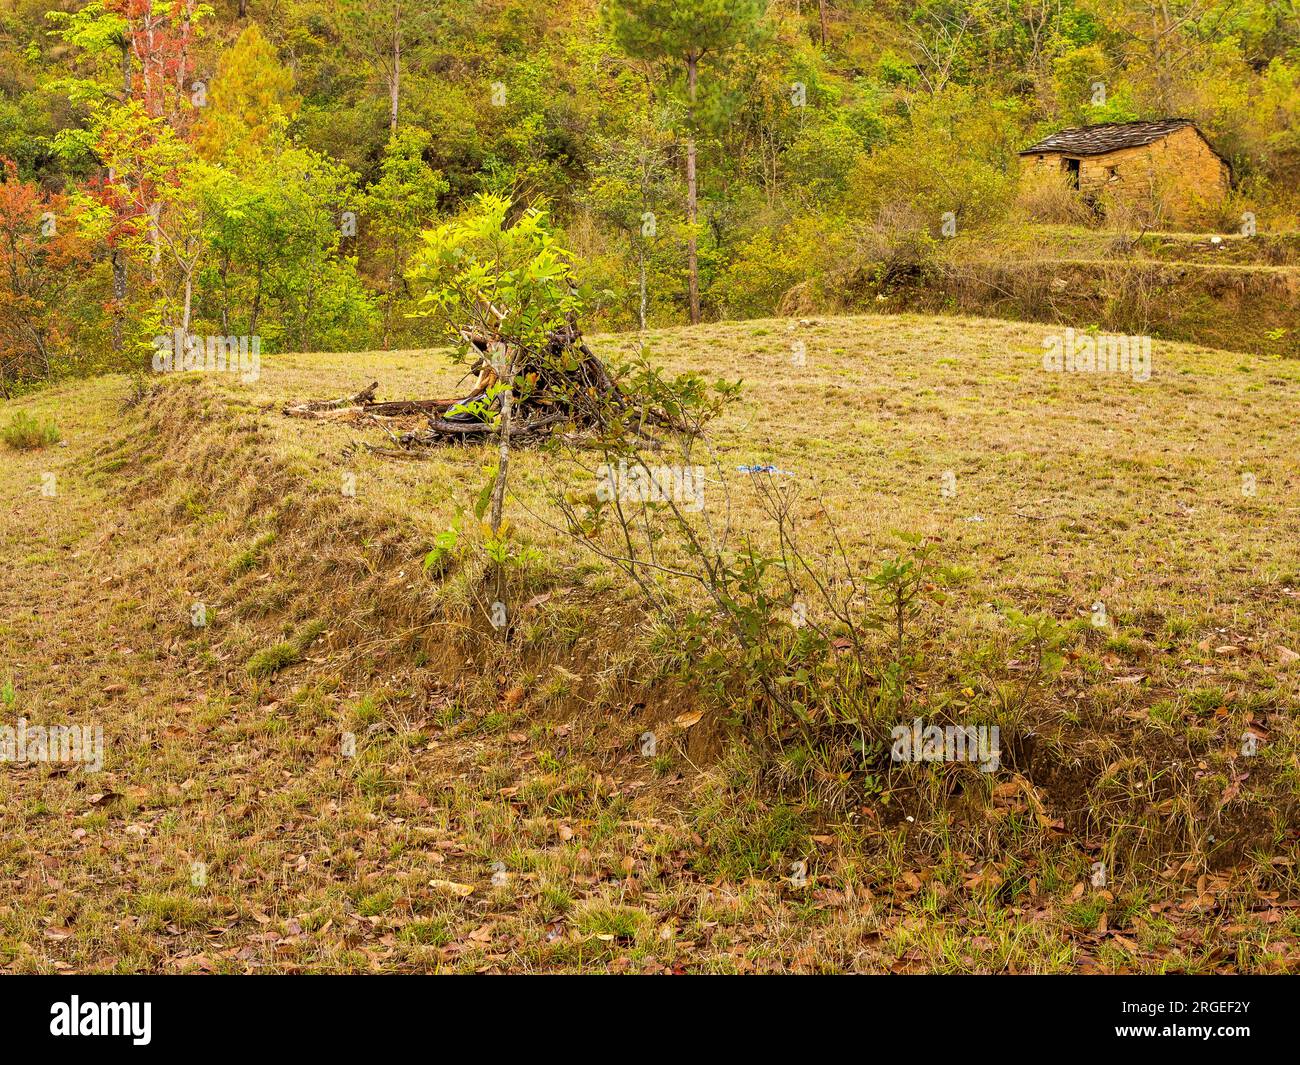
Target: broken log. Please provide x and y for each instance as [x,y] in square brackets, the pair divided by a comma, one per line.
[315,408]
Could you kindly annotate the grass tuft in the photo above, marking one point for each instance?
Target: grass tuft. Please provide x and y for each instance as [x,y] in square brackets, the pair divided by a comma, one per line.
[27,433]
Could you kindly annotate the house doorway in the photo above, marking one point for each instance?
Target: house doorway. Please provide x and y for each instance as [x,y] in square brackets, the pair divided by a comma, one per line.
[1072,172]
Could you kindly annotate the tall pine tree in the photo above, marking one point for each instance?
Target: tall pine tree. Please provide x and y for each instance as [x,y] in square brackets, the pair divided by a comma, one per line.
[684,32]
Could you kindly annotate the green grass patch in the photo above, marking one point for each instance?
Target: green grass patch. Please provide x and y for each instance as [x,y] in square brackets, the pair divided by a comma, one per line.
[27,433]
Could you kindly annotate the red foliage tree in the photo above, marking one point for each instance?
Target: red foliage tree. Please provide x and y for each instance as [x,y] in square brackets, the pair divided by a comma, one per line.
[161,38]
[41,258]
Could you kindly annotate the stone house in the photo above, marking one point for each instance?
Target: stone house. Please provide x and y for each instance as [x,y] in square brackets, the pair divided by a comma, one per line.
[1162,171]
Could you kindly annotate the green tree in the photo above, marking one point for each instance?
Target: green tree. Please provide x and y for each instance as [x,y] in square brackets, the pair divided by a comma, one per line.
[277,269]
[382,32]
[100,35]
[684,32]
[397,207]
[626,188]
[506,285]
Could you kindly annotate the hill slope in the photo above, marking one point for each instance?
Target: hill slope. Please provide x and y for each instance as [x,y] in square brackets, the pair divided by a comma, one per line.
[345,768]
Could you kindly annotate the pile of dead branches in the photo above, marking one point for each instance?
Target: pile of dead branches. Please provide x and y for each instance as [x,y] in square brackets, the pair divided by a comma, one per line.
[563,387]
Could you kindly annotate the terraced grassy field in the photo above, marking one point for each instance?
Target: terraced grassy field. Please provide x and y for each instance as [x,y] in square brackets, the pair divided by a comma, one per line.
[343,766]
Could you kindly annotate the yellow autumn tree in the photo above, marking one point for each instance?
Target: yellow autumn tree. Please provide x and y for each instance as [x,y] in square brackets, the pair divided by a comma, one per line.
[251,96]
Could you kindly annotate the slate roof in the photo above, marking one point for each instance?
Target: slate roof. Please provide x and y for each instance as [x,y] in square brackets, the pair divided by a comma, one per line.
[1110,136]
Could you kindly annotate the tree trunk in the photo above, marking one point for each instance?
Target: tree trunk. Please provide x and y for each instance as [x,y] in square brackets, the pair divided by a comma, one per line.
[641,265]
[392,294]
[257,305]
[503,460]
[821,12]
[225,295]
[155,260]
[118,261]
[395,83]
[692,259]
[116,258]
[189,302]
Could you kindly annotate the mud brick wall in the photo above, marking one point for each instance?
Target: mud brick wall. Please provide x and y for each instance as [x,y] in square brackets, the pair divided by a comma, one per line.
[1180,173]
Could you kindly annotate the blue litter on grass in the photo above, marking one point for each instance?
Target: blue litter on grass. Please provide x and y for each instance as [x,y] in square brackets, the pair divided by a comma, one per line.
[769,468]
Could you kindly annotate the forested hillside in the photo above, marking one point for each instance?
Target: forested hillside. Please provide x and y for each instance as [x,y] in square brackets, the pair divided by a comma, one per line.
[264,168]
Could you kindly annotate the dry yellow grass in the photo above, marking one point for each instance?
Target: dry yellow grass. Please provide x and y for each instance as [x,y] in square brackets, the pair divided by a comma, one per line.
[232,830]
